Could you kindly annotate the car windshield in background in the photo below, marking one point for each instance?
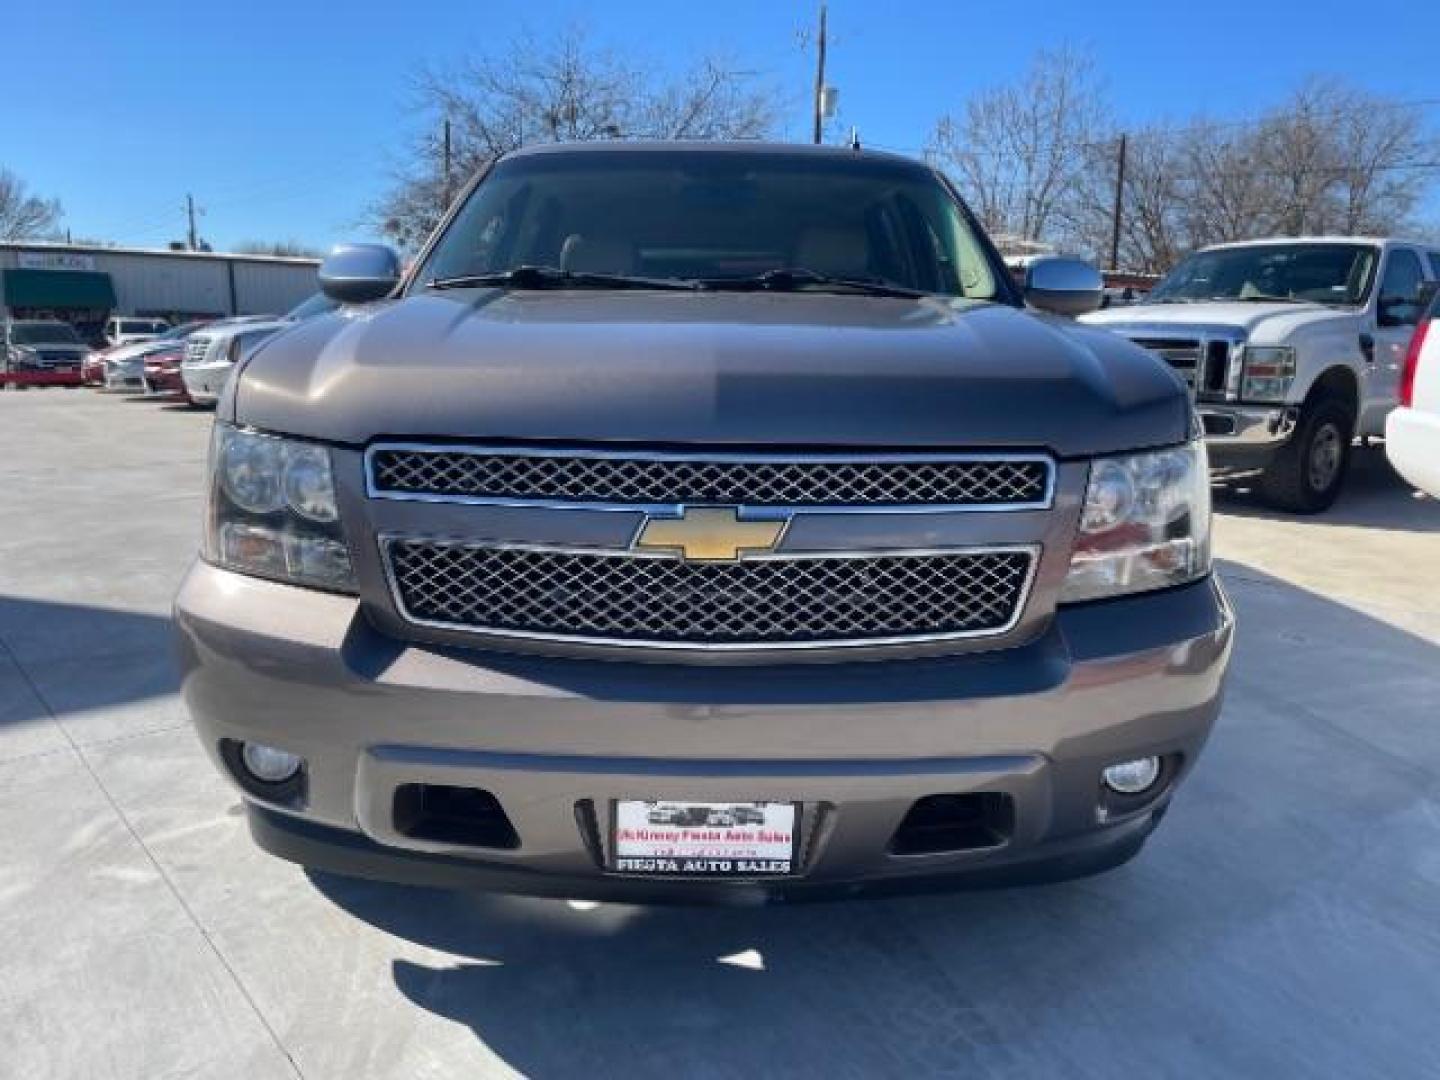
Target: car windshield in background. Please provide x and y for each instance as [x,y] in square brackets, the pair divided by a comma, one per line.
[1337,274]
[318,304]
[44,334]
[718,218]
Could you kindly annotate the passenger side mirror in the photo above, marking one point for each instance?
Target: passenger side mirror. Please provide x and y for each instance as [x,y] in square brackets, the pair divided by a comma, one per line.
[1063,286]
[357,273]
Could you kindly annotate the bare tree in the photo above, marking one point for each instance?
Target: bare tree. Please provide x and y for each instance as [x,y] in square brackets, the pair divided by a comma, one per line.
[24,216]
[1016,151]
[560,91]
[1039,163]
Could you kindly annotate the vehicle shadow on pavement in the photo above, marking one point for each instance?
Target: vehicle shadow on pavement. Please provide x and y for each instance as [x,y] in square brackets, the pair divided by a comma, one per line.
[1374,496]
[58,658]
[1290,890]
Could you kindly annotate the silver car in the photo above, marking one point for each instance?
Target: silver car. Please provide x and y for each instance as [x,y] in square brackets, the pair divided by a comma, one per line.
[705,475]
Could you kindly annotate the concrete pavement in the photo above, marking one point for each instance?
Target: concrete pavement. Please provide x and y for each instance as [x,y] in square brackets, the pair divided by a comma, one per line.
[1282,922]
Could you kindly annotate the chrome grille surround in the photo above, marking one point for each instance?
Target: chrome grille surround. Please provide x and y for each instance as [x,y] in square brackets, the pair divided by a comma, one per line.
[794,601]
[1207,358]
[850,482]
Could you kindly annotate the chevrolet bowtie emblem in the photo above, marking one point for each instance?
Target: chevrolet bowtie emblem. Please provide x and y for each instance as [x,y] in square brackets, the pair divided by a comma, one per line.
[709,533]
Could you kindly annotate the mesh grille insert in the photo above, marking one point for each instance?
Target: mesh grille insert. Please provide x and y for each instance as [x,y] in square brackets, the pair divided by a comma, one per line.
[565,594]
[668,480]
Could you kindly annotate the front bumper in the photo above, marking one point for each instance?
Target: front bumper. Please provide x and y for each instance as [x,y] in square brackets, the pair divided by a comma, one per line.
[165,381]
[556,739]
[205,382]
[1241,437]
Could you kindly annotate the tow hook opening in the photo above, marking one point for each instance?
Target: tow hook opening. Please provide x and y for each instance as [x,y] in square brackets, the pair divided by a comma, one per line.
[470,817]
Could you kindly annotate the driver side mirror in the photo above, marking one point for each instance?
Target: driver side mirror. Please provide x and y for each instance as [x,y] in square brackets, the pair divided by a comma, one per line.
[358,273]
[1063,286]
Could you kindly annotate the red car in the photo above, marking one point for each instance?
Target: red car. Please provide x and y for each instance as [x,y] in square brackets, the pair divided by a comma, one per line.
[162,372]
[92,370]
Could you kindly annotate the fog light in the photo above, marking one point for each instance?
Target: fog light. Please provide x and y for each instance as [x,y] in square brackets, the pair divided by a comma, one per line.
[268,764]
[1133,777]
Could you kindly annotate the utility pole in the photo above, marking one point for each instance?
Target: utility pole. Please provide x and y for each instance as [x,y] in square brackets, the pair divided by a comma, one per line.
[820,78]
[448,185]
[1119,204]
[190,212]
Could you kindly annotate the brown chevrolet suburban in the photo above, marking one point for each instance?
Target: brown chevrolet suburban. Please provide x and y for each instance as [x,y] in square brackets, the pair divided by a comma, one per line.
[705,522]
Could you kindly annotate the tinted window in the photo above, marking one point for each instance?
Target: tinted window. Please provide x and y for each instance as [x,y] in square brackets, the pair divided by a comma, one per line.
[714,215]
[1320,273]
[246,343]
[56,333]
[142,326]
[1400,288]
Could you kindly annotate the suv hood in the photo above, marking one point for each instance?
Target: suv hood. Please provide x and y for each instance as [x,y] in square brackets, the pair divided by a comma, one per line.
[1270,322]
[742,369]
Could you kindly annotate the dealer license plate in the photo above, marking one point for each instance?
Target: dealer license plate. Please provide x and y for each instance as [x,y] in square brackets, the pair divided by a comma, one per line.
[704,839]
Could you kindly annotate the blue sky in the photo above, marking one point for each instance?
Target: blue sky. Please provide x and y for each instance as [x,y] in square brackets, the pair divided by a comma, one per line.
[286,119]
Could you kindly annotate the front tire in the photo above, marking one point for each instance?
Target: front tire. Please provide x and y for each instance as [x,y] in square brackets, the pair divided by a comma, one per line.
[1306,475]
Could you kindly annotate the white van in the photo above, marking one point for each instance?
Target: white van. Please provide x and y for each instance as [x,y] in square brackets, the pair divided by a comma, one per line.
[127,329]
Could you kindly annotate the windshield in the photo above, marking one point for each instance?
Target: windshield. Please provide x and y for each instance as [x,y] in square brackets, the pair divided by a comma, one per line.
[183,330]
[56,333]
[711,215]
[318,304]
[1338,274]
[142,326]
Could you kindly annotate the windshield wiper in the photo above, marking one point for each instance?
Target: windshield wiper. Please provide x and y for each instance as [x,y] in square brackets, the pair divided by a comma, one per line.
[797,278]
[1261,298]
[550,277]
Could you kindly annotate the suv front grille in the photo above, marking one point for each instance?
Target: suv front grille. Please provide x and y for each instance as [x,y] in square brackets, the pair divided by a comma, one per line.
[991,481]
[195,349]
[622,598]
[1203,364]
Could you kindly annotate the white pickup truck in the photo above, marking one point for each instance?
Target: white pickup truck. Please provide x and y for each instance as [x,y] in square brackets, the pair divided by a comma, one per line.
[1291,349]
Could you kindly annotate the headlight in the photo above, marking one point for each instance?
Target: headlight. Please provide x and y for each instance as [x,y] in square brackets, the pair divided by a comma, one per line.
[1267,374]
[1146,524]
[272,511]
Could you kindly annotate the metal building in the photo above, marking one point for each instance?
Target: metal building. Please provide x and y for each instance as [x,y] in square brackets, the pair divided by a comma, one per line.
[85,285]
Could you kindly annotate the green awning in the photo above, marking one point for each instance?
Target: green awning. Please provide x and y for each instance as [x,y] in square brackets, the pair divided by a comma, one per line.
[85,289]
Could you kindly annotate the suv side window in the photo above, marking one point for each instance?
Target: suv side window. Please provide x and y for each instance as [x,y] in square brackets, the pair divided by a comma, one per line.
[1400,289]
[1435,265]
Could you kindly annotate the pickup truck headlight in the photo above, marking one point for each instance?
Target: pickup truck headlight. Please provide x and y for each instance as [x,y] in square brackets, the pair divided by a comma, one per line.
[1267,374]
[273,512]
[1146,524]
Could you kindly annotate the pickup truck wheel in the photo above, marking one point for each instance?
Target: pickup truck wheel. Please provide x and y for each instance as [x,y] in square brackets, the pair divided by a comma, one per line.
[1307,473]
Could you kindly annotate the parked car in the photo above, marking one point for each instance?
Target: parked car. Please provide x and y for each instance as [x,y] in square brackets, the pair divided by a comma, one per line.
[210,358]
[693,473]
[1412,432]
[37,352]
[92,367]
[162,372]
[123,367]
[1290,348]
[212,353]
[125,329]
